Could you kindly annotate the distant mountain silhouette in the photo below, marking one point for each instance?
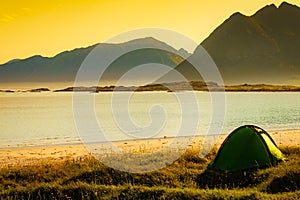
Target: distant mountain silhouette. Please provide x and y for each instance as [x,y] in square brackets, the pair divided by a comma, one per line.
[64,66]
[262,48]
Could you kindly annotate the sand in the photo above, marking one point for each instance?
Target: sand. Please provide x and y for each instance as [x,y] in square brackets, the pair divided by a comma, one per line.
[28,155]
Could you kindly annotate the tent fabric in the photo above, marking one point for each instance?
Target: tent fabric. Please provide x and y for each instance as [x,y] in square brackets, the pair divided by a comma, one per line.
[247,147]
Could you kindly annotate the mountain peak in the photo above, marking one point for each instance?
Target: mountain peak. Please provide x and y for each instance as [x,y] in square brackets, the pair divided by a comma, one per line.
[272,8]
[284,13]
[287,5]
[147,41]
[237,15]
[143,40]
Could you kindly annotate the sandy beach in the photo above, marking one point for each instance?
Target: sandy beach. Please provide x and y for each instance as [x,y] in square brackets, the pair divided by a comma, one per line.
[27,155]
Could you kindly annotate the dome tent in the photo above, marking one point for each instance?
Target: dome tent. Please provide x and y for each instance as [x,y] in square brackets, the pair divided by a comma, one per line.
[247,147]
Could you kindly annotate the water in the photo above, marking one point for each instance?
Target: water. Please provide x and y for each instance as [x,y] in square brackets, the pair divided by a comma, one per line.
[39,119]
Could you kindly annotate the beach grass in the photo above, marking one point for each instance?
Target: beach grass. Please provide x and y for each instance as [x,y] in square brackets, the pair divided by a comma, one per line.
[88,178]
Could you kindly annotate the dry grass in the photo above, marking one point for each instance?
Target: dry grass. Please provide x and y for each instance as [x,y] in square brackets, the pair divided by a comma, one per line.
[88,178]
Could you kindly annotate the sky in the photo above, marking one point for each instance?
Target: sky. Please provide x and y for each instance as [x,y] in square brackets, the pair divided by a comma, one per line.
[34,27]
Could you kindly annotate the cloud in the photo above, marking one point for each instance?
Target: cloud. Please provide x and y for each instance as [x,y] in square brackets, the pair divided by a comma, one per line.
[27,9]
[8,17]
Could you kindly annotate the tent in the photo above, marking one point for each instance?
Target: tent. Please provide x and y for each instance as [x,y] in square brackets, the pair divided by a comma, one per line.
[247,147]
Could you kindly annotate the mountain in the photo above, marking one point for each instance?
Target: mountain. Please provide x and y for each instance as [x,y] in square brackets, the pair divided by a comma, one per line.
[262,48]
[64,66]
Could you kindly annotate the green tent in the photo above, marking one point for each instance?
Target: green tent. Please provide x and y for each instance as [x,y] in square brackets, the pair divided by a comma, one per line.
[247,147]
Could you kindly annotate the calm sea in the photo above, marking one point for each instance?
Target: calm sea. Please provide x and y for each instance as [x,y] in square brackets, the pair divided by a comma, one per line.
[39,119]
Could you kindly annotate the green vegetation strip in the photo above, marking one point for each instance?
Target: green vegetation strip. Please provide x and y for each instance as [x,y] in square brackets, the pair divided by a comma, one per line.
[92,191]
[87,178]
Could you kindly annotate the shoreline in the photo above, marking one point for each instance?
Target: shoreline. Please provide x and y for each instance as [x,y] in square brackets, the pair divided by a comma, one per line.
[26,146]
[169,87]
[99,92]
[28,155]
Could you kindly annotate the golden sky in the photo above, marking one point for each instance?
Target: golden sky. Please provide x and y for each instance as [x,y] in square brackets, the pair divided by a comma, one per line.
[30,27]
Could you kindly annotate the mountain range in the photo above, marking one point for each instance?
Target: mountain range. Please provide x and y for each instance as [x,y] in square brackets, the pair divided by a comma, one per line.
[64,66]
[262,48]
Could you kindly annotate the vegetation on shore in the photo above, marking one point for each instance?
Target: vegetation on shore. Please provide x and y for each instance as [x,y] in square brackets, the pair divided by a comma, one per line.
[88,178]
[176,86]
[188,86]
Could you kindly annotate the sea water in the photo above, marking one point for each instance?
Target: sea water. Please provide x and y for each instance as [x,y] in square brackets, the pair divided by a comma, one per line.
[47,118]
